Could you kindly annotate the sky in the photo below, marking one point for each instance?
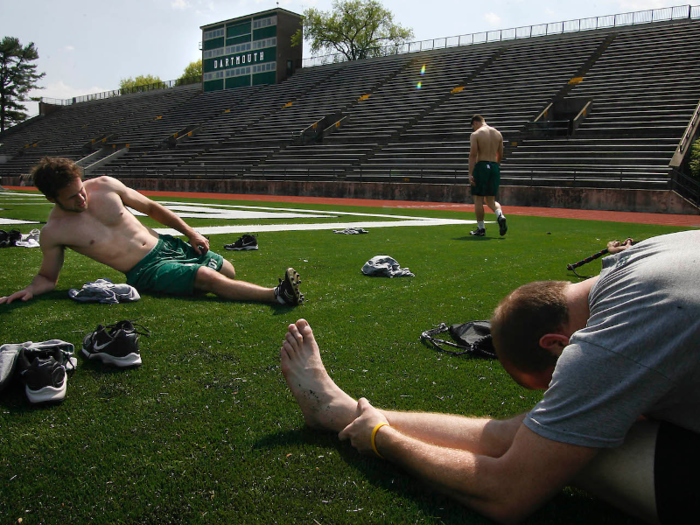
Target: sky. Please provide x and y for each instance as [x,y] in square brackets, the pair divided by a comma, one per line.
[88,47]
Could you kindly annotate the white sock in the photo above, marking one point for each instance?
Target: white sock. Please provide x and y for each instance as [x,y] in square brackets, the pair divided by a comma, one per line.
[480,225]
[499,213]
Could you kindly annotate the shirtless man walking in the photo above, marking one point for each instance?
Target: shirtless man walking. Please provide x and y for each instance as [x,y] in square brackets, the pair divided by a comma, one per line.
[91,218]
[485,155]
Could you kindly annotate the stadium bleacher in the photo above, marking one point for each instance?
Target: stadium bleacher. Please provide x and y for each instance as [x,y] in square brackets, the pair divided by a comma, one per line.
[77,130]
[643,90]
[512,88]
[405,117]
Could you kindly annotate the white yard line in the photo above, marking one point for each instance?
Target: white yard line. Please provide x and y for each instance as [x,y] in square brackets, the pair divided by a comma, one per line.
[230,211]
[256,228]
[14,193]
[238,213]
[5,222]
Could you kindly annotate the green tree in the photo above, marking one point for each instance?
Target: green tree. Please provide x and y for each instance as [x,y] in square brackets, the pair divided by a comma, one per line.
[355,28]
[695,160]
[192,71]
[18,77]
[129,85]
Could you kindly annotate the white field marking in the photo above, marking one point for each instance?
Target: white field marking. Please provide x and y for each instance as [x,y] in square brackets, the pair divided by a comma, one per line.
[236,212]
[303,212]
[15,200]
[230,211]
[36,195]
[215,230]
[19,199]
[16,221]
[187,211]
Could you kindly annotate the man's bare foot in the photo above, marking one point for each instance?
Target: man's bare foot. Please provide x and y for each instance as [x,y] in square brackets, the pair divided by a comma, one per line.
[324,405]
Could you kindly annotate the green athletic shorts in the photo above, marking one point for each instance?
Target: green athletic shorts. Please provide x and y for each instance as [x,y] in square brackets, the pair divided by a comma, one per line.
[487,178]
[170,267]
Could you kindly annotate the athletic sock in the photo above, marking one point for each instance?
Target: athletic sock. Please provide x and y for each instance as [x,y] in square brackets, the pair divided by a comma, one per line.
[480,224]
[499,213]
[278,296]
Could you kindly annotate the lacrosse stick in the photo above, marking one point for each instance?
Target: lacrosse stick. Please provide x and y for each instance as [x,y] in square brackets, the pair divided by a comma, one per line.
[593,257]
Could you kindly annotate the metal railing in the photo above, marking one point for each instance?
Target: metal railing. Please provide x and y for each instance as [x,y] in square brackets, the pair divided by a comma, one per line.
[621,178]
[619,175]
[687,139]
[665,14]
[685,186]
[164,84]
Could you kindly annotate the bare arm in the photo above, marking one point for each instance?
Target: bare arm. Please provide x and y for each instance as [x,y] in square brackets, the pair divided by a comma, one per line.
[473,156]
[473,152]
[44,281]
[485,436]
[499,153]
[505,488]
[159,213]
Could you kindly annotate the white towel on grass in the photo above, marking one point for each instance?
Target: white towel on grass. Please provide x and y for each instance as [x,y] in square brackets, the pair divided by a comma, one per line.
[385,266]
[104,291]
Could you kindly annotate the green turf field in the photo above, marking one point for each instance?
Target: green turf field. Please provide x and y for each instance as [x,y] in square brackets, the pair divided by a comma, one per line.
[206,430]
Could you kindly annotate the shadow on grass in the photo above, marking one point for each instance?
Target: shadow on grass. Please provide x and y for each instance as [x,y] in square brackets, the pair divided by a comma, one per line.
[55,295]
[569,506]
[203,297]
[97,366]
[381,474]
[477,238]
[13,400]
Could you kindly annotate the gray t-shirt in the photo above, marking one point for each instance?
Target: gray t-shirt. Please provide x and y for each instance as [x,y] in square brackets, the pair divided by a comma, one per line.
[639,353]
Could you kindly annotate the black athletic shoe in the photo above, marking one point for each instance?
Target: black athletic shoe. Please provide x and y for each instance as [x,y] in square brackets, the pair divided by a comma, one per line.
[14,236]
[5,239]
[479,232]
[247,242]
[502,226]
[43,371]
[287,292]
[8,239]
[116,344]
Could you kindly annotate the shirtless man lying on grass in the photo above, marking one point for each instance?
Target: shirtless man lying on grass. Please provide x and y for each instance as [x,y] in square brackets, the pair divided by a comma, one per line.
[92,219]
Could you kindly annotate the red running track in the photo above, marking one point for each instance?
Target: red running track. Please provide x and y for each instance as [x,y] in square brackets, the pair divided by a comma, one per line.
[664,219]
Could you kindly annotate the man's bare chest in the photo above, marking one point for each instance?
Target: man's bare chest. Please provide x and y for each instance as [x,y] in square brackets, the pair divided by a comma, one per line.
[103,222]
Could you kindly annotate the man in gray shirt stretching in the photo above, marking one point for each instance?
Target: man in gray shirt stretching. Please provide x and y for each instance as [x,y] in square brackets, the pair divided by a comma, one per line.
[618,356]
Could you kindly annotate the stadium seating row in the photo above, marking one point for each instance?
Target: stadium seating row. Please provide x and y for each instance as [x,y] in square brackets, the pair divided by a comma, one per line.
[405,116]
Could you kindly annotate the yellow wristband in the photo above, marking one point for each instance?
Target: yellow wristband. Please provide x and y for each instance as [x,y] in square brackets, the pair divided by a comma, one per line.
[374,435]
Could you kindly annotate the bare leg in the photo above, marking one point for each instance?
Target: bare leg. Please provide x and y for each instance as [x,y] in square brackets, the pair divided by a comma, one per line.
[228,270]
[208,280]
[479,207]
[324,405]
[491,201]
[624,476]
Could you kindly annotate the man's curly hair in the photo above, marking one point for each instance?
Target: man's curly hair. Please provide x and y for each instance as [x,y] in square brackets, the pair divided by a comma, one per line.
[52,174]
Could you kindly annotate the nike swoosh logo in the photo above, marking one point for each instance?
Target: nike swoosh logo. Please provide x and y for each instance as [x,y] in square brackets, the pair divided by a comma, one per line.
[100,347]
